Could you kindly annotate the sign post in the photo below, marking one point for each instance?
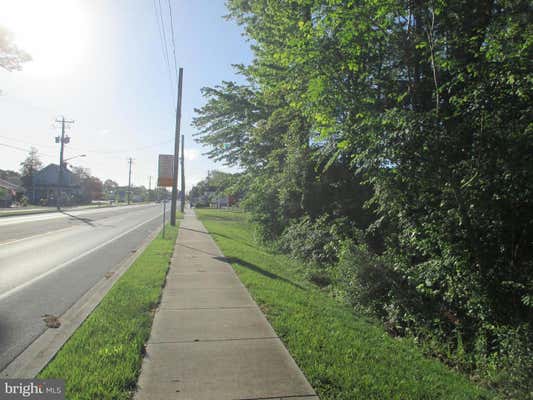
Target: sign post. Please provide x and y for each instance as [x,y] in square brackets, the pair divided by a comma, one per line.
[164,217]
[165,174]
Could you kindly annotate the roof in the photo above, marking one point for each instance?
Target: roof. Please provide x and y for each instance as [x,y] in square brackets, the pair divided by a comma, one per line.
[48,176]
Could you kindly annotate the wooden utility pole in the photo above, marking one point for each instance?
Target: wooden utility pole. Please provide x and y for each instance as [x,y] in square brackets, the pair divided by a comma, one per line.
[149,188]
[173,207]
[182,205]
[130,160]
[62,140]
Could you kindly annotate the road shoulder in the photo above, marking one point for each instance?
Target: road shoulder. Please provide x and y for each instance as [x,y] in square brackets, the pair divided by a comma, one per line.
[40,352]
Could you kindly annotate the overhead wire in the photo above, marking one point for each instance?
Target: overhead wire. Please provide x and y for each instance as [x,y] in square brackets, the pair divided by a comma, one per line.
[173,42]
[26,142]
[163,41]
[23,149]
[127,151]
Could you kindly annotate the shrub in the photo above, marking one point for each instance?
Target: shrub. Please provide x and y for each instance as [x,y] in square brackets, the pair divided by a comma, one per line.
[24,201]
[317,241]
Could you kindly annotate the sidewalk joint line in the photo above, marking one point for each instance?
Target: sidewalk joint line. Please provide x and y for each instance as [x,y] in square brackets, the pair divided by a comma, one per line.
[203,288]
[295,396]
[207,308]
[214,340]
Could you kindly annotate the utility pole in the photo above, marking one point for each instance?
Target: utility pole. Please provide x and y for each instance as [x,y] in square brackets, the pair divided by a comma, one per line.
[62,140]
[176,153]
[149,188]
[182,174]
[130,160]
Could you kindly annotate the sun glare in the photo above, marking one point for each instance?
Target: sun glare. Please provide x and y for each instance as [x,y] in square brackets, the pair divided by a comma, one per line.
[53,32]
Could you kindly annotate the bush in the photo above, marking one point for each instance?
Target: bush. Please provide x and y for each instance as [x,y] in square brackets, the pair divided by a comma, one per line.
[24,201]
[500,356]
[503,358]
[316,241]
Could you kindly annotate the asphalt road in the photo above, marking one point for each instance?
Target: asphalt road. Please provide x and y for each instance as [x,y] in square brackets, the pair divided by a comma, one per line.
[48,261]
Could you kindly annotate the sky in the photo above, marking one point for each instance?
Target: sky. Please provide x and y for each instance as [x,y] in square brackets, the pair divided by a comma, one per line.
[102,64]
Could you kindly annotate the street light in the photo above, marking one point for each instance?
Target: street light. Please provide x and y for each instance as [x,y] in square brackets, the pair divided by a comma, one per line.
[78,156]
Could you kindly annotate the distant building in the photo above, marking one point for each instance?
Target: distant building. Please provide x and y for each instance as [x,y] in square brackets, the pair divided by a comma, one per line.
[45,185]
[220,201]
[9,193]
[138,194]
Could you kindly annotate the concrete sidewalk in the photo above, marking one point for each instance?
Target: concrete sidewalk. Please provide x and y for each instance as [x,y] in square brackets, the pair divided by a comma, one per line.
[209,339]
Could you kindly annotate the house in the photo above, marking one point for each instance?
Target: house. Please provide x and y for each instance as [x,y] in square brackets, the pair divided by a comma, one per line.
[45,186]
[9,193]
[219,201]
[138,194]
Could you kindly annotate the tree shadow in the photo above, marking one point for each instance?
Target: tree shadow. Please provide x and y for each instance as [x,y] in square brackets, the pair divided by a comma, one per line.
[198,250]
[87,221]
[259,270]
[205,233]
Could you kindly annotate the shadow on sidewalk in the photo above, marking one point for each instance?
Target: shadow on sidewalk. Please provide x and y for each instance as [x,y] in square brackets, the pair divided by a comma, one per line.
[196,249]
[259,270]
[205,233]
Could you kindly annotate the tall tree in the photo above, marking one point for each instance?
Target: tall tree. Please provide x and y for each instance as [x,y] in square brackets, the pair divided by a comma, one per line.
[29,166]
[430,104]
[110,186]
[91,188]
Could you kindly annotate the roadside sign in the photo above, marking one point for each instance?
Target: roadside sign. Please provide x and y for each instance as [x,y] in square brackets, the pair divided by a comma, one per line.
[165,170]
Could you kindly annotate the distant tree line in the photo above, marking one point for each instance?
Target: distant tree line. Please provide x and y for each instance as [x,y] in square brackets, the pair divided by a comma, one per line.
[391,143]
[217,184]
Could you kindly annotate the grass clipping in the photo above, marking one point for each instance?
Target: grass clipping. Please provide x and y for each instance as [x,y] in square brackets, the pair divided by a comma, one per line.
[104,356]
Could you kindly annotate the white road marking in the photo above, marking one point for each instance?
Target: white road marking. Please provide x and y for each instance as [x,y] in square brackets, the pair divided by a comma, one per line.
[35,236]
[78,257]
[19,219]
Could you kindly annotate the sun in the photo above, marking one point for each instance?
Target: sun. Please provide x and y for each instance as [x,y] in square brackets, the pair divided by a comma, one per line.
[54,32]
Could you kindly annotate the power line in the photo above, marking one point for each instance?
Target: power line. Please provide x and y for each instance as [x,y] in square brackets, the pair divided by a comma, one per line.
[23,149]
[173,42]
[26,142]
[163,38]
[105,152]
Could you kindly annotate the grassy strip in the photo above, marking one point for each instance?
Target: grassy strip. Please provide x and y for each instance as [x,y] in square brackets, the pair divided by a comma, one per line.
[102,360]
[344,356]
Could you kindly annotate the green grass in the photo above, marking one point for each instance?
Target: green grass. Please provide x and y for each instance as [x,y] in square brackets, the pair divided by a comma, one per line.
[102,360]
[343,355]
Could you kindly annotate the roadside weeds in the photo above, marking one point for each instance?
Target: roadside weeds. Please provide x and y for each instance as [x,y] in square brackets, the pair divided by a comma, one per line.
[344,355]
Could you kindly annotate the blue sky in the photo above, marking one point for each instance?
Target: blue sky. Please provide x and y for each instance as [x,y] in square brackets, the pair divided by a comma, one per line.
[101,63]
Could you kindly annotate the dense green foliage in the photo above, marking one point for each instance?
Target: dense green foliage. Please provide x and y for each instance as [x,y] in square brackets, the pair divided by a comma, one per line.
[407,126]
[344,356]
[102,359]
[216,184]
